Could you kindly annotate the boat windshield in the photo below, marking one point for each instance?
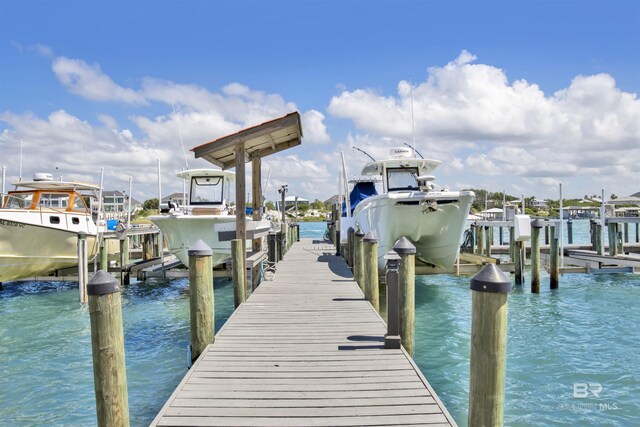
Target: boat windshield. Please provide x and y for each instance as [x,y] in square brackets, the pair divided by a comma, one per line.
[19,201]
[206,190]
[399,179]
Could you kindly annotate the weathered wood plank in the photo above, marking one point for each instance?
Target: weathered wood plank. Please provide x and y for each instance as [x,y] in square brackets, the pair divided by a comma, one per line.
[305,349]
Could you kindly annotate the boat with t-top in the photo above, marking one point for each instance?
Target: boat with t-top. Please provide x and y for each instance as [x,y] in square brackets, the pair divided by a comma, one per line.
[208,216]
[411,205]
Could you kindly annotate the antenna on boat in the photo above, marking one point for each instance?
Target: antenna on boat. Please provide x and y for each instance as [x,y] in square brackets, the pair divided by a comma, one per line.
[20,172]
[415,151]
[363,152]
[413,125]
[184,153]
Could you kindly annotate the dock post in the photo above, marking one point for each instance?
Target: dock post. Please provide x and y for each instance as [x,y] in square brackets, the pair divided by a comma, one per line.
[104,255]
[488,232]
[480,240]
[472,229]
[238,273]
[371,290]
[592,232]
[619,239]
[124,260]
[272,248]
[201,306]
[350,237]
[83,267]
[626,232]
[536,226]
[598,239]
[407,274]
[637,234]
[280,241]
[547,236]
[570,231]
[107,347]
[297,232]
[392,337]
[554,255]
[488,346]
[501,234]
[337,242]
[519,263]
[613,239]
[358,259]
[512,244]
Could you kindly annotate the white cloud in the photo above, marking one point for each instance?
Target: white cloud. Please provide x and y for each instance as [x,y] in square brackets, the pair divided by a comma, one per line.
[471,111]
[90,82]
[314,129]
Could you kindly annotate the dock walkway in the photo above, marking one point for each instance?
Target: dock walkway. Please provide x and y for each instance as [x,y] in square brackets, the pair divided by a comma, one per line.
[306,349]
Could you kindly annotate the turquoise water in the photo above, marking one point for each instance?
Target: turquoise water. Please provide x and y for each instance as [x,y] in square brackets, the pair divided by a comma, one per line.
[584,332]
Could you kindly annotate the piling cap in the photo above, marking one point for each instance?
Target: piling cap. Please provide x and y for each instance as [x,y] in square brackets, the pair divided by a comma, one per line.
[404,246]
[392,258]
[359,233]
[102,283]
[200,248]
[537,223]
[491,279]
[82,234]
[370,238]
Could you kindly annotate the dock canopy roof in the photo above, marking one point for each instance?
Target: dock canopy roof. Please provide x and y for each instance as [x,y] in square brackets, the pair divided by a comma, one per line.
[261,140]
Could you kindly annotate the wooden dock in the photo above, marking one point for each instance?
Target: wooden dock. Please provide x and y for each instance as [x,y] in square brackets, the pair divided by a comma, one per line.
[306,349]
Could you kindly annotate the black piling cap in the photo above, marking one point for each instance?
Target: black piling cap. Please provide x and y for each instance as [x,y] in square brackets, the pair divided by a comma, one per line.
[537,223]
[491,279]
[404,246]
[359,233]
[370,238]
[102,283]
[200,248]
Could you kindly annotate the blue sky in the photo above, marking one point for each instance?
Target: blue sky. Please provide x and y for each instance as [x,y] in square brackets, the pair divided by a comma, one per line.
[514,95]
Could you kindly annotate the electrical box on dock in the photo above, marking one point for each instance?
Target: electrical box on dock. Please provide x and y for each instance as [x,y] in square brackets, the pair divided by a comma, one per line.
[522,228]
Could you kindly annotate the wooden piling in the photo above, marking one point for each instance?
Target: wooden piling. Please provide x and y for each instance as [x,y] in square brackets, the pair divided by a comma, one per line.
[512,244]
[238,273]
[358,259]
[370,250]
[613,239]
[637,234]
[201,298]
[536,226]
[592,233]
[124,260]
[501,234]
[272,248]
[488,346]
[598,239]
[337,242]
[480,240]
[554,259]
[83,267]
[107,347]
[407,277]
[104,255]
[519,263]
[392,338]
[350,245]
[488,232]
[569,231]
[620,239]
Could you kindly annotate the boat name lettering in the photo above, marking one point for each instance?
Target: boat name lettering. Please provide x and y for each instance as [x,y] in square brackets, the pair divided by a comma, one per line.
[11,223]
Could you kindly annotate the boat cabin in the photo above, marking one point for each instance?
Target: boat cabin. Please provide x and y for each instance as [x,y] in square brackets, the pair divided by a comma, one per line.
[402,172]
[209,191]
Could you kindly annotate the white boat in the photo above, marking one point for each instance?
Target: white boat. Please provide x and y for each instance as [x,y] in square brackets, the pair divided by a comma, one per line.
[39,225]
[207,217]
[411,206]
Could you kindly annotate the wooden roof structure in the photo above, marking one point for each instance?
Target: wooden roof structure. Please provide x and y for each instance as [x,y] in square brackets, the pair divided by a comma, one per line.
[261,140]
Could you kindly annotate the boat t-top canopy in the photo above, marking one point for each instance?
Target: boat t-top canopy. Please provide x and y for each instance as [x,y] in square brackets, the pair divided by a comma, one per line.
[261,140]
[425,166]
[56,185]
[228,175]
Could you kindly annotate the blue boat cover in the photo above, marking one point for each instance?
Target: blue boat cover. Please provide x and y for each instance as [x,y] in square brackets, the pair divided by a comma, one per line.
[360,191]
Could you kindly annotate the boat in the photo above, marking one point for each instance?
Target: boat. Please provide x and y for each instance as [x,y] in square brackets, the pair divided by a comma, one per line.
[39,225]
[411,206]
[208,216]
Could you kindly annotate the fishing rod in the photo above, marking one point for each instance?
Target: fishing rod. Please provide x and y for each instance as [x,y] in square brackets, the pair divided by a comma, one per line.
[414,149]
[365,153]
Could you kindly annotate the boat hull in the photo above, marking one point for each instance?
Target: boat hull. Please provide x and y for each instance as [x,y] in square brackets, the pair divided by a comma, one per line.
[28,250]
[182,231]
[432,222]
